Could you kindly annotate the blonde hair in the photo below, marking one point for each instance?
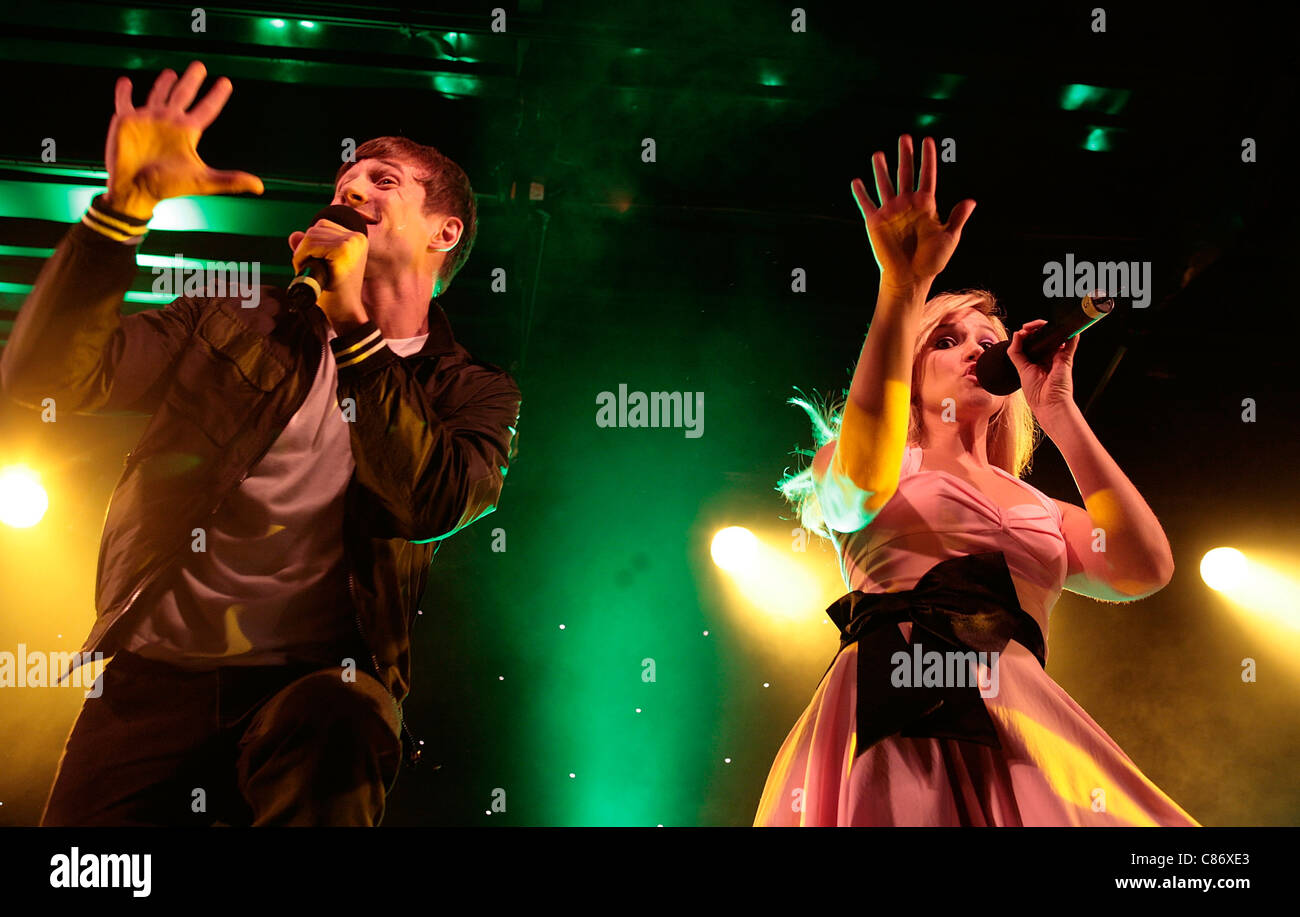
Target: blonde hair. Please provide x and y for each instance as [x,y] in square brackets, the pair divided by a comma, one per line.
[1012,431]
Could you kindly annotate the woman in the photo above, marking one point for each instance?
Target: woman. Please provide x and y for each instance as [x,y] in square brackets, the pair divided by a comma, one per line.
[952,558]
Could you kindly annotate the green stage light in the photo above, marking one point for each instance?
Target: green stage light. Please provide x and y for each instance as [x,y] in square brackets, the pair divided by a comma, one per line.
[23,289]
[63,172]
[246,216]
[1077,95]
[169,262]
[1098,140]
[1081,97]
[24,251]
[455,84]
[944,85]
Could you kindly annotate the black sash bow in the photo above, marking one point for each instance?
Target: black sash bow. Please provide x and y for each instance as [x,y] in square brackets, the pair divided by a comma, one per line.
[961,604]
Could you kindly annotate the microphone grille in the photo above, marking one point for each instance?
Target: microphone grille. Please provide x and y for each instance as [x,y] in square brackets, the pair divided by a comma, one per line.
[343,215]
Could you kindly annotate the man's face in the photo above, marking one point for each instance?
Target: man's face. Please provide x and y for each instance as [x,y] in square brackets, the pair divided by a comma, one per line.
[386,192]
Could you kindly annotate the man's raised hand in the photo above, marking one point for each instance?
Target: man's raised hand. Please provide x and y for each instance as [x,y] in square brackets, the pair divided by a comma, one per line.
[152,151]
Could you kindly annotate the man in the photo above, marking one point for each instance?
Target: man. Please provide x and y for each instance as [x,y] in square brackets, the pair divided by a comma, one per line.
[268,543]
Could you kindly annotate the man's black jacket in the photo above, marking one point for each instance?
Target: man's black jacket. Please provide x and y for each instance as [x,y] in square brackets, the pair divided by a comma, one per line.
[431,438]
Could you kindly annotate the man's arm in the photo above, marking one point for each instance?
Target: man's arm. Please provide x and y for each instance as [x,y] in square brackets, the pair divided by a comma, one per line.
[427,473]
[71,341]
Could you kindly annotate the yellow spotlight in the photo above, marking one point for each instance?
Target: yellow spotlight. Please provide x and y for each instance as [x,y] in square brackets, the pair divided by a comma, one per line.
[1223,569]
[734,549]
[22,498]
[1261,586]
[772,576]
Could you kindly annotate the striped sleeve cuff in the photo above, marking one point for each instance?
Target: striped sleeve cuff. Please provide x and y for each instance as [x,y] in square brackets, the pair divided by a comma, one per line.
[116,226]
[361,350]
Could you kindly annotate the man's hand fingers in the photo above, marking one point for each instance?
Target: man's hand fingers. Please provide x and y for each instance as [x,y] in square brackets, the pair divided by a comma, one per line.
[207,110]
[122,96]
[231,182]
[188,87]
[161,87]
[295,240]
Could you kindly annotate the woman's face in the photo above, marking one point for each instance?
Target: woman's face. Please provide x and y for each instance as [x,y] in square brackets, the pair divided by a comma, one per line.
[948,361]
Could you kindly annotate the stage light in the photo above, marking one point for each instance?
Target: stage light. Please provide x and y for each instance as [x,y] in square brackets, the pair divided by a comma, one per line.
[65,203]
[306,24]
[22,498]
[771,574]
[278,23]
[1081,97]
[1260,586]
[1098,140]
[1224,569]
[734,548]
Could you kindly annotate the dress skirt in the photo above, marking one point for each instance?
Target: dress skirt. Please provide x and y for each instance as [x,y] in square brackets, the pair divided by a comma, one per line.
[1051,764]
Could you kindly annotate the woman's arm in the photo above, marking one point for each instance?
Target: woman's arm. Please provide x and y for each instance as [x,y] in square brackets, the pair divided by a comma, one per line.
[1137,560]
[857,474]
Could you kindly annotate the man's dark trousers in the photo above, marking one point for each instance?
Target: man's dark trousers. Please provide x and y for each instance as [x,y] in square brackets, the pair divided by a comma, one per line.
[266,745]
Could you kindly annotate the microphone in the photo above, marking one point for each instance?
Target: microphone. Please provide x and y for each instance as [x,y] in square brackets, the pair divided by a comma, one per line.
[314,275]
[997,374]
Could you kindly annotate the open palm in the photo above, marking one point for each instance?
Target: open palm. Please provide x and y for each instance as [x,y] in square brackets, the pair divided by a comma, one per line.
[152,151]
[910,243]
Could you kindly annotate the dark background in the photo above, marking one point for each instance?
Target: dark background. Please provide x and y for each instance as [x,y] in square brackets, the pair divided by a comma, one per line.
[675,275]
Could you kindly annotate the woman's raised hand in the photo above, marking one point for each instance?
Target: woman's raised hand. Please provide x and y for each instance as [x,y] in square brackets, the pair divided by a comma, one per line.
[910,244]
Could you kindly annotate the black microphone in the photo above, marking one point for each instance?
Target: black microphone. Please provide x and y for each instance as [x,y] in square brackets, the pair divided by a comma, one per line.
[314,276]
[997,374]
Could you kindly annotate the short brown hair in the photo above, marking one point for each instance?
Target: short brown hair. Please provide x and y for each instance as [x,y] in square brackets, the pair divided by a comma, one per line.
[446,190]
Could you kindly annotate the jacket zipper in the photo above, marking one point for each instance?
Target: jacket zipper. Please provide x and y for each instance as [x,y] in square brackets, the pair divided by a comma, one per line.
[145,582]
[414,752]
[413,755]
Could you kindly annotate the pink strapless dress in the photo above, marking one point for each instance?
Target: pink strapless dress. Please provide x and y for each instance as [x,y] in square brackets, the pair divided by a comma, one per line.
[1056,766]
